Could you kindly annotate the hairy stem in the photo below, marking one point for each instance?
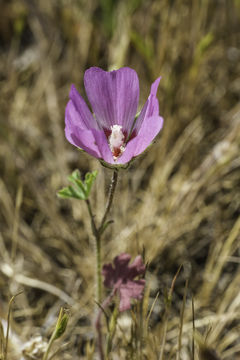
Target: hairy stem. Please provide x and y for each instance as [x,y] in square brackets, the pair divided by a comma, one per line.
[99,269]
[93,224]
[96,234]
[110,197]
[98,231]
[99,325]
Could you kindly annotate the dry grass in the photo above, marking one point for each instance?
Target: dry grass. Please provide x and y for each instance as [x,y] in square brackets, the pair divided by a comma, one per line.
[180,200]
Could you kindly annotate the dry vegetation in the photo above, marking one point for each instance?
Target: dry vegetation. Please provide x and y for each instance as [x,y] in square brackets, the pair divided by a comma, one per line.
[180,200]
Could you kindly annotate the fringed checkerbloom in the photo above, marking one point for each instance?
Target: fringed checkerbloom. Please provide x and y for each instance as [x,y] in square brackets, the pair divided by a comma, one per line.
[121,279]
[113,134]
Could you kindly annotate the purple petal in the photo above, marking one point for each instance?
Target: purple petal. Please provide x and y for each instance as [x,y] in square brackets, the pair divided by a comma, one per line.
[136,268]
[113,95]
[148,131]
[125,300]
[128,153]
[151,107]
[103,146]
[83,139]
[147,126]
[154,86]
[121,265]
[132,289]
[73,118]
[109,274]
[121,261]
[79,112]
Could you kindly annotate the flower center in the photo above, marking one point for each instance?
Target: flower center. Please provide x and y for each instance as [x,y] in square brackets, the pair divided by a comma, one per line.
[116,141]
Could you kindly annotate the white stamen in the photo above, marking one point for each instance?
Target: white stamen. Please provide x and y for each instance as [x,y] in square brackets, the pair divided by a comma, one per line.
[116,140]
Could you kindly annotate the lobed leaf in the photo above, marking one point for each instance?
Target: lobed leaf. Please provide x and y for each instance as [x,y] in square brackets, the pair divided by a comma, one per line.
[80,189]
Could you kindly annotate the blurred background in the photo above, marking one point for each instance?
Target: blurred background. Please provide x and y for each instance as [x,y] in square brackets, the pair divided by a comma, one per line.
[180,200]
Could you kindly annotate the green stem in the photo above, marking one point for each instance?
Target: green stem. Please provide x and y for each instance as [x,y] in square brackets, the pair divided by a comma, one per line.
[98,231]
[8,324]
[93,224]
[110,197]
[95,232]
[45,356]
[99,269]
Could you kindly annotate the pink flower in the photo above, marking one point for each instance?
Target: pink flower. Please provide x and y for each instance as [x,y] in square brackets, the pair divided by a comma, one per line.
[112,134]
[121,279]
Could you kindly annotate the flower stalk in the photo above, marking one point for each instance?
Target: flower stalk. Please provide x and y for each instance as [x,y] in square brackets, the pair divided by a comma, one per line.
[98,324]
[98,231]
[110,198]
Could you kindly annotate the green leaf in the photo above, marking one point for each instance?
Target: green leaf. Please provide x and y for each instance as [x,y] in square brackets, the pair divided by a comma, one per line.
[61,323]
[105,226]
[80,189]
[76,180]
[61,327]
[71,192]
[89,180]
